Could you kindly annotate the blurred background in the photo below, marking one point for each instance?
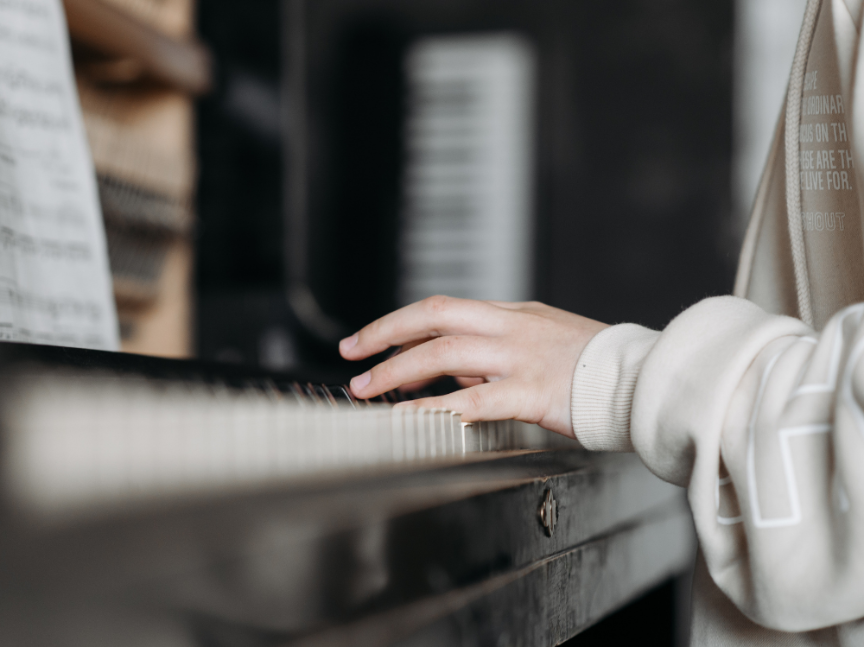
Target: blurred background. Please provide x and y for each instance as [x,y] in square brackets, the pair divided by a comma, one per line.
[275,174]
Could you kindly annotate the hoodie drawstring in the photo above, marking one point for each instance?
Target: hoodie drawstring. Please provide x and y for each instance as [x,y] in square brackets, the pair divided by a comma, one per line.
[793,161]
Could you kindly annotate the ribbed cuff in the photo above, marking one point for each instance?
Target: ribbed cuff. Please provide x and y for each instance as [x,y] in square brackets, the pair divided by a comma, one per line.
[603,386]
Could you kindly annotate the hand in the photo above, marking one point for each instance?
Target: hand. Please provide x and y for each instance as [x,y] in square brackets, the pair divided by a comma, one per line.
[524,355]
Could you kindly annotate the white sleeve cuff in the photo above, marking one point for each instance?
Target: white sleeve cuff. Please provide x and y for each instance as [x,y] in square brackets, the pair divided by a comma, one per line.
[603,386]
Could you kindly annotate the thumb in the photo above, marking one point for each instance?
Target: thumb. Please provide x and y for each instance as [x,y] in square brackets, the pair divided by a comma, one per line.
[487,401]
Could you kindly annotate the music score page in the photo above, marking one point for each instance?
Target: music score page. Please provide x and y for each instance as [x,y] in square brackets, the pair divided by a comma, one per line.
[55,283]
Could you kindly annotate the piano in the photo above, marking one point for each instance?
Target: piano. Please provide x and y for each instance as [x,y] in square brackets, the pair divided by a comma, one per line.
[150,502]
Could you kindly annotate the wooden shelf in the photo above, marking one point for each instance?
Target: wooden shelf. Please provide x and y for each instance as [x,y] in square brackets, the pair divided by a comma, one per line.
[138,50]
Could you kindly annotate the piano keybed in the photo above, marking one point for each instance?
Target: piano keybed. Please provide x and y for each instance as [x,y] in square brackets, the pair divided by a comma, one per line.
[77,440]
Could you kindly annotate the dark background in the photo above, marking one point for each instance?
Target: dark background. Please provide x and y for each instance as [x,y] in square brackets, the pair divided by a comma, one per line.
[632,187]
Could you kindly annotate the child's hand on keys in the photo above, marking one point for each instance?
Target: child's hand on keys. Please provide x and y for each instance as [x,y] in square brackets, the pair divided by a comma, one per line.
[517,359]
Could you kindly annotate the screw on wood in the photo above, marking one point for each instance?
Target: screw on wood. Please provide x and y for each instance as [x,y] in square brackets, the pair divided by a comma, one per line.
[549,512]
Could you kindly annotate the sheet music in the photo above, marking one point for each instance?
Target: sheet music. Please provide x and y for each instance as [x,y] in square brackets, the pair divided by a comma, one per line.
[55,284]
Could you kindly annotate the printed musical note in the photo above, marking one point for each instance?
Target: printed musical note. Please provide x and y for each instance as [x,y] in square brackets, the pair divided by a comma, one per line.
[55,285]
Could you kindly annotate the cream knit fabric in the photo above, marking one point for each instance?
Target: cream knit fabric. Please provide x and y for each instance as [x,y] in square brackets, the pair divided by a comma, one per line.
[762,419]
[603,386]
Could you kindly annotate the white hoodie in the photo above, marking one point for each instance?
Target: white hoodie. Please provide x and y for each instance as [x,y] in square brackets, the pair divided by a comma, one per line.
[757,405]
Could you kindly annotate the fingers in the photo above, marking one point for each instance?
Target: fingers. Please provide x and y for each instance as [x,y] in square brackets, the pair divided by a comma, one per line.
[428,319]
[523,306]
[489,401]
[453,355]
[507,305]
[411,387]
[464,382]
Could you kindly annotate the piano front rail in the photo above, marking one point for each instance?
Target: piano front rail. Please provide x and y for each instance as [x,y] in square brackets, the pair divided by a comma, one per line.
[456,554]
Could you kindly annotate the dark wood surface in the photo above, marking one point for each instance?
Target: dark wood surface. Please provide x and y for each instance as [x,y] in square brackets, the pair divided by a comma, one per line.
[417,557]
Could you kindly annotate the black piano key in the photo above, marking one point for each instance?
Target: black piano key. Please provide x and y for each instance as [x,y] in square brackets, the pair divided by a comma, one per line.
[312,393]
[324,395]
[299,394]
[341,393]
[399,396]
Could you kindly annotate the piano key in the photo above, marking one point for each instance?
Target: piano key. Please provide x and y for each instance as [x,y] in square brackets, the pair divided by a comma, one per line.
[79,440]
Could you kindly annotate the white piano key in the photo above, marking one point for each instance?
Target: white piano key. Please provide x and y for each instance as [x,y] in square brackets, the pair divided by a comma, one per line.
[78,441]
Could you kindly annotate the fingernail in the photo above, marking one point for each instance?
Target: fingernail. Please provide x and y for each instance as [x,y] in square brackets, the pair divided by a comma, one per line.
[348,343]
[361,381]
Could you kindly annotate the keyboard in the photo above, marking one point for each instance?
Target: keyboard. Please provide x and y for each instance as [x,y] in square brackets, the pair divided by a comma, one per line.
[112,432]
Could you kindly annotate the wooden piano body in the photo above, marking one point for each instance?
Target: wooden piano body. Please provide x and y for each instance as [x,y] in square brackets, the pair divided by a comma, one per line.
[510,547]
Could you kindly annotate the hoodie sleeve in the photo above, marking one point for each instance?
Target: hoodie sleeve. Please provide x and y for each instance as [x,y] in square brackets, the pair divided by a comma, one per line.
[762,420]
